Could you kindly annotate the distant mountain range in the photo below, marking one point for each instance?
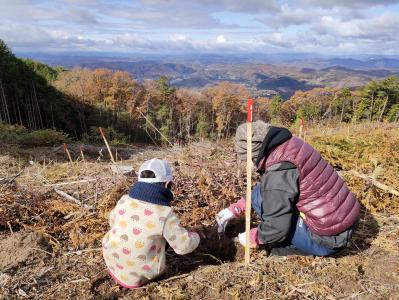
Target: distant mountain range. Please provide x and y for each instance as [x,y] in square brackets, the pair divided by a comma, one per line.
[263,75]
[350,63]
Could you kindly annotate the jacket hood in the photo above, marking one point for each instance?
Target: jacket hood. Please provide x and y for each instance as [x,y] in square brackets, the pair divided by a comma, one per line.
[274,137]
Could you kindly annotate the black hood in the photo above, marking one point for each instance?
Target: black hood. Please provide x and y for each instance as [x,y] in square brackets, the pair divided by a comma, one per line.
[274,137]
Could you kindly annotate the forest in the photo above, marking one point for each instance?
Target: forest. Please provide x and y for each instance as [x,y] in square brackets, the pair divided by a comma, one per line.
[34,96]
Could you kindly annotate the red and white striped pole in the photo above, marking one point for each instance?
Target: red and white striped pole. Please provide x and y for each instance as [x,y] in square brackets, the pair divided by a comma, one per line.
[301,126]
[249,177]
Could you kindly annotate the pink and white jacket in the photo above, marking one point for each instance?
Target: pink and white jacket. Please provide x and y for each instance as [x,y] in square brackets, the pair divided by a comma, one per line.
[134,248]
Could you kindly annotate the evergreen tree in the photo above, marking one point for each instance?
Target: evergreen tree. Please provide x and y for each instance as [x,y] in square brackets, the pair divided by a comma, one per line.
[275,106]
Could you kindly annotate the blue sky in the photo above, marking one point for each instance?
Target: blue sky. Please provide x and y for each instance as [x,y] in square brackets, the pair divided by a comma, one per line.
[217,26]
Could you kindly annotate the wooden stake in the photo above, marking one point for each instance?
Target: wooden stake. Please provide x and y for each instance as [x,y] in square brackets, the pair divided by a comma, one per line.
[67,152]
[81,153]
[301,133]
[106,143]
[154,127]
[249,177]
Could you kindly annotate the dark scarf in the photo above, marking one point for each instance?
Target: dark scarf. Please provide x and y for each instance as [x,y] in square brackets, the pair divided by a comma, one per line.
[275,137]
[152,193]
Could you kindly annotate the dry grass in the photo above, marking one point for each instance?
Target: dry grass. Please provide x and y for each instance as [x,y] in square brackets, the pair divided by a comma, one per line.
[207,179]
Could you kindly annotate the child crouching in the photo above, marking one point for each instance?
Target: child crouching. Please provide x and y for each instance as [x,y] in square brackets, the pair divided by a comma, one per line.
[141,224]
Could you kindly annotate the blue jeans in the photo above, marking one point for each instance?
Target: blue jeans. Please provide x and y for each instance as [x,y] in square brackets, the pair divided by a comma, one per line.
[300,235]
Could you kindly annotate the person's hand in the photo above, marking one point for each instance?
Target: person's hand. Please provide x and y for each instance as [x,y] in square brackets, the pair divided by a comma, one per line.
[223,218]
[242,239]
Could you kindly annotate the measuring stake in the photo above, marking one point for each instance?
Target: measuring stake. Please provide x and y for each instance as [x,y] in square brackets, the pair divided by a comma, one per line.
[249,173]
[301,133]
[81,153]
[67,152]
[106,143]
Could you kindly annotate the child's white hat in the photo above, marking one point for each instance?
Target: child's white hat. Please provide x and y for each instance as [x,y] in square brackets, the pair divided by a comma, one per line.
[161,169]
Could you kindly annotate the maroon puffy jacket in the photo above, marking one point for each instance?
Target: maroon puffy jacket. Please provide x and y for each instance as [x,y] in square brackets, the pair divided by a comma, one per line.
[327,203]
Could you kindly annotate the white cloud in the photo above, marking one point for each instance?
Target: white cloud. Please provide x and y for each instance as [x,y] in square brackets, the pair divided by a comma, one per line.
[289,16]
[221,39]
[347,3]
[376,28]
[178,37]
[248,6]
[168,25]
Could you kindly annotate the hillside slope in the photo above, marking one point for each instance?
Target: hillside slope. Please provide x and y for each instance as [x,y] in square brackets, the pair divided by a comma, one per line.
[57,244]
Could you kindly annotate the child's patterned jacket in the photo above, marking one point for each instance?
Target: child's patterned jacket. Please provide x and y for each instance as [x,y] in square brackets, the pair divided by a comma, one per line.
[134,248]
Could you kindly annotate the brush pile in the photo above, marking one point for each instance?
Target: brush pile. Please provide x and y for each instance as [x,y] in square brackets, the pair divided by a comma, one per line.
[56,242]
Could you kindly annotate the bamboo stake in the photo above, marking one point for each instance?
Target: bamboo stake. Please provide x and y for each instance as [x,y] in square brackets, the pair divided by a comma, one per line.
[81,153]
[106,143]
[67,152]
[301,133]
[154,127]
[249,173]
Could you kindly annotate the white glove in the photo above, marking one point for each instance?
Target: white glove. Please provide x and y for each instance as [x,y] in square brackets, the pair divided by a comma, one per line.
[223,218]
[242,239]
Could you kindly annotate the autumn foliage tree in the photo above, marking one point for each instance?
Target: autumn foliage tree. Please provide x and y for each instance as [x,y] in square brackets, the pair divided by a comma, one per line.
[227,102]
[312,105]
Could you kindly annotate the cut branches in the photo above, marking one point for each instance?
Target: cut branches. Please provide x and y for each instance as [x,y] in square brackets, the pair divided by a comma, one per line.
[72,199]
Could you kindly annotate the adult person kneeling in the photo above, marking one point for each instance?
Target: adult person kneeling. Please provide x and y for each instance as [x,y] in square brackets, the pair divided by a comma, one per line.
[304,206]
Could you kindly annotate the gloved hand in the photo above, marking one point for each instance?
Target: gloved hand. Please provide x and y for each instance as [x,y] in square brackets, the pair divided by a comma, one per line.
[253,243]
[223,218]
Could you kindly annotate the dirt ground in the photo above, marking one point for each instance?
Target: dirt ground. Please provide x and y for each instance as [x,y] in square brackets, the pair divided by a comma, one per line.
[50,248]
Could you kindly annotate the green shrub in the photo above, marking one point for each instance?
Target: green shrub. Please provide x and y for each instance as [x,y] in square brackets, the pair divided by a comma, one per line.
[9,134]
[43,137]
[202,129]
[15,134]
[114,137]
[119,142]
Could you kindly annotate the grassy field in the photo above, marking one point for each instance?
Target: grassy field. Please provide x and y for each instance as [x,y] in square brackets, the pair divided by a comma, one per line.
[50,247]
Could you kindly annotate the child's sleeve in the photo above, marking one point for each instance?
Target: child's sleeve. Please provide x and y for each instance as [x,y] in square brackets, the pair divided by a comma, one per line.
[181,240]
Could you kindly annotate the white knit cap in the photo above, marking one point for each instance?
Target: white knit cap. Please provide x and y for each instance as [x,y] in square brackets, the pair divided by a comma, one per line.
[161,169]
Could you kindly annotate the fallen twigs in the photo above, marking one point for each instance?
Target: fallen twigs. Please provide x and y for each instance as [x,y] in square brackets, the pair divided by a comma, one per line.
[79,252]
[11,179]
[72,199]
[71,182]
[378,184]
